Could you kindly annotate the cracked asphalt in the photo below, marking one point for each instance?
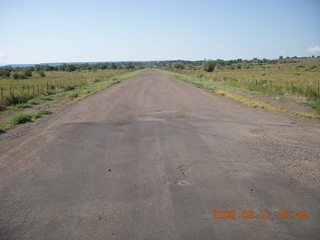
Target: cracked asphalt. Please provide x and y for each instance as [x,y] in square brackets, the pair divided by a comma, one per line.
[152,158]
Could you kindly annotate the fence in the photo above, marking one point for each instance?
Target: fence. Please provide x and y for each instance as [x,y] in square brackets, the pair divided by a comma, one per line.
[32,90]
[307,89]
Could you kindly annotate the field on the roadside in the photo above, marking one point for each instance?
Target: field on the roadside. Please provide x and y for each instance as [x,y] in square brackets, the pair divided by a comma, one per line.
[300,78]
[15,91]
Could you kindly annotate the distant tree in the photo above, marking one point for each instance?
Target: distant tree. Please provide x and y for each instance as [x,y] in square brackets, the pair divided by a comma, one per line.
[71,67]
[104,66]
[37,67]
[209,65]
[130,66]
[62,67]
[48,68]
[281,57]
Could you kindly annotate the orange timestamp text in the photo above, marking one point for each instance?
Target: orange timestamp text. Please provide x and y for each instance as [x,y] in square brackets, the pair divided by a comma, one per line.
[261,214]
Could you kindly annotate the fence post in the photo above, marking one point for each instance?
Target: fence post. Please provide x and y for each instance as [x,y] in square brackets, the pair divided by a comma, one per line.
[2,101]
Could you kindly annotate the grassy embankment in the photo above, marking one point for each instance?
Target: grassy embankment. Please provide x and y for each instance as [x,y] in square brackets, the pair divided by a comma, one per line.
[295,81]
[55,88]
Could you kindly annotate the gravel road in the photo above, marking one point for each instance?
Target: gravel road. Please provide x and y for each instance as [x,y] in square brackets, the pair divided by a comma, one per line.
[152,158]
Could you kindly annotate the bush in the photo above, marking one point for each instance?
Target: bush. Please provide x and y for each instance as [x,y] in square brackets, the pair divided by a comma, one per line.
[178,65]
[15,75]
[208,66]
[69,88]
[27,73]
[73,95]
[17,98]
[23,75]
[42,73]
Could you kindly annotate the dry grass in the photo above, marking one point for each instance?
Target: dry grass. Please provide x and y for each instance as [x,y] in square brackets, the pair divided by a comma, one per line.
[260,104]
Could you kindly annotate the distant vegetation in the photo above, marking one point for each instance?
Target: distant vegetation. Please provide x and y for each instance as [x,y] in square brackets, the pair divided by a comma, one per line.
[296,76]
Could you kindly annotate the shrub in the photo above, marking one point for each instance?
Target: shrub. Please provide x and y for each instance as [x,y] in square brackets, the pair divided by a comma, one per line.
[27,73]
[23,75]
[15,75]
[42,73]
[178,65]
[17,98]
[208,66]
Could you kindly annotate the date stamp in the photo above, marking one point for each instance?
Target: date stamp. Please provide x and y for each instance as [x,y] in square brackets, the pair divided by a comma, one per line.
[260,214]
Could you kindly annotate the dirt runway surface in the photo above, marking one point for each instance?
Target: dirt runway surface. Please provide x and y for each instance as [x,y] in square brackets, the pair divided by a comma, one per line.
[152,158]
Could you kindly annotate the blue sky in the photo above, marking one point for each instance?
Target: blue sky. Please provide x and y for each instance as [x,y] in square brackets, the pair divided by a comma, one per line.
[96,30]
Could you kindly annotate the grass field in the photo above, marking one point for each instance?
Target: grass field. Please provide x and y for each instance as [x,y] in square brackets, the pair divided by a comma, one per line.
[300,78]
[21,90]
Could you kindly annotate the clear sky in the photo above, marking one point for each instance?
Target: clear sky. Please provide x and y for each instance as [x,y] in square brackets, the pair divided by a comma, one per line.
[34,31]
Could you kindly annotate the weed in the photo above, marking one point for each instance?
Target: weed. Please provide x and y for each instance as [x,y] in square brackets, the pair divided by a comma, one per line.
[73,95]
[315,105]
[20,119]
[41,113]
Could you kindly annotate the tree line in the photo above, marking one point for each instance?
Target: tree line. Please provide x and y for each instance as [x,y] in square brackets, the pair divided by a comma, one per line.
[206,65]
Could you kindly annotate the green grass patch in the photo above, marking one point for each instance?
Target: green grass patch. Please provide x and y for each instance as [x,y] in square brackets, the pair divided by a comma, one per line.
[315,105]
[24,105]
[41,113]
[20,119]
[73,95]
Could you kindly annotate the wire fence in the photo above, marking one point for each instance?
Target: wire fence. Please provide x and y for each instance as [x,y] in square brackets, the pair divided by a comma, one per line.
[308,89]
[14,95]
